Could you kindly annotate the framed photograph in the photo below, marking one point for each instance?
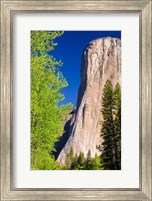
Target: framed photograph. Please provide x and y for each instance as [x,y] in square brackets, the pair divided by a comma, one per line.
[76,100]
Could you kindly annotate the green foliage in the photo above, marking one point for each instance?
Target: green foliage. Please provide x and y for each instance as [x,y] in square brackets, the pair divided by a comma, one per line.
[69,158]
[81,163]
[111,127]
[43,41]
[89,155]
[117,122]
[74,163]
[95,163]
[110,148]
[46,117]
[88,160]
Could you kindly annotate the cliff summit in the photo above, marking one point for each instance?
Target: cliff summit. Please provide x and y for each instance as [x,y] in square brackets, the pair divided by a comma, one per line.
[101,60]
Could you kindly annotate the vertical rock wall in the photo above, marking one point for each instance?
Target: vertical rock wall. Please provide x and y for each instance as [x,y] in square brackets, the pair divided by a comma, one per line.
[101,60]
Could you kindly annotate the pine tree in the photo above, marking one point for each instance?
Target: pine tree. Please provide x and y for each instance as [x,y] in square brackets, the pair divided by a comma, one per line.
[71,153]
[111,127]
[107,126]
[95,163]
[68,161]
[117,122]
[88,160]
[81,161]
[89,155]
[69,158]
[46,117]
[74,164]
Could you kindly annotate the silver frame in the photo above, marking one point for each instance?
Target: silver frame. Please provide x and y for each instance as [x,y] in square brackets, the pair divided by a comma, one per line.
[143,7]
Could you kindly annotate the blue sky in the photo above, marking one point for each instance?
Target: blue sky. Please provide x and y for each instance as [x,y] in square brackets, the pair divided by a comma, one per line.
[69,50]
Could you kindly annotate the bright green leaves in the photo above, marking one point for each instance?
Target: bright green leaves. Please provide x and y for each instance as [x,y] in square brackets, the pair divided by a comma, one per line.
[47,119]
[43,41]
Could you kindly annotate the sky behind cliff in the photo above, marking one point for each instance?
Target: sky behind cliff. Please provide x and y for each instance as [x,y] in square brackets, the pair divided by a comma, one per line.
[69,50]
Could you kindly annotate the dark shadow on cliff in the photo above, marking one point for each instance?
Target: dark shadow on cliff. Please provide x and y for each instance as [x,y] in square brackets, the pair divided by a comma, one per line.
[64,138]
[68,125]
[83,73]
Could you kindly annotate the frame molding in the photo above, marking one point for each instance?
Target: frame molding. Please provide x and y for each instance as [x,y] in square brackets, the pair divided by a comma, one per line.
[144,8]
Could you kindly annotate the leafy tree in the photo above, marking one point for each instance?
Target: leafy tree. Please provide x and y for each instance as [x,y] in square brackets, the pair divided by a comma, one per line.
[43,41]
[111,127]
[46,117]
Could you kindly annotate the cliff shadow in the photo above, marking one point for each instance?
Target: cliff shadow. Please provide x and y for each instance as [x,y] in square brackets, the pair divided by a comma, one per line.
[64,138]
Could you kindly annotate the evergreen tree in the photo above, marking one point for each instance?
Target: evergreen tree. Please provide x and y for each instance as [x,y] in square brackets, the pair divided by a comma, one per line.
[74,164]
[69,158]
[68,161]
[107,126]
[71,153]
[46,117]
[81,161]
[117,122]
[89,155]
[95,163]
[111,127]
[88,161]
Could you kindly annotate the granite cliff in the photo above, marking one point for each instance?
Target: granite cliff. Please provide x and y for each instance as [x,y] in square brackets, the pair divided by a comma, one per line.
[101,60]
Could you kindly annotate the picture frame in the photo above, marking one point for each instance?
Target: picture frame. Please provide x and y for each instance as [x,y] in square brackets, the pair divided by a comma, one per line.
[8,9]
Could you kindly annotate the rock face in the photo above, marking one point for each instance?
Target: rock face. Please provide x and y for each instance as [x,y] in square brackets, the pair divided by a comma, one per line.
[101,60]
[63,139]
